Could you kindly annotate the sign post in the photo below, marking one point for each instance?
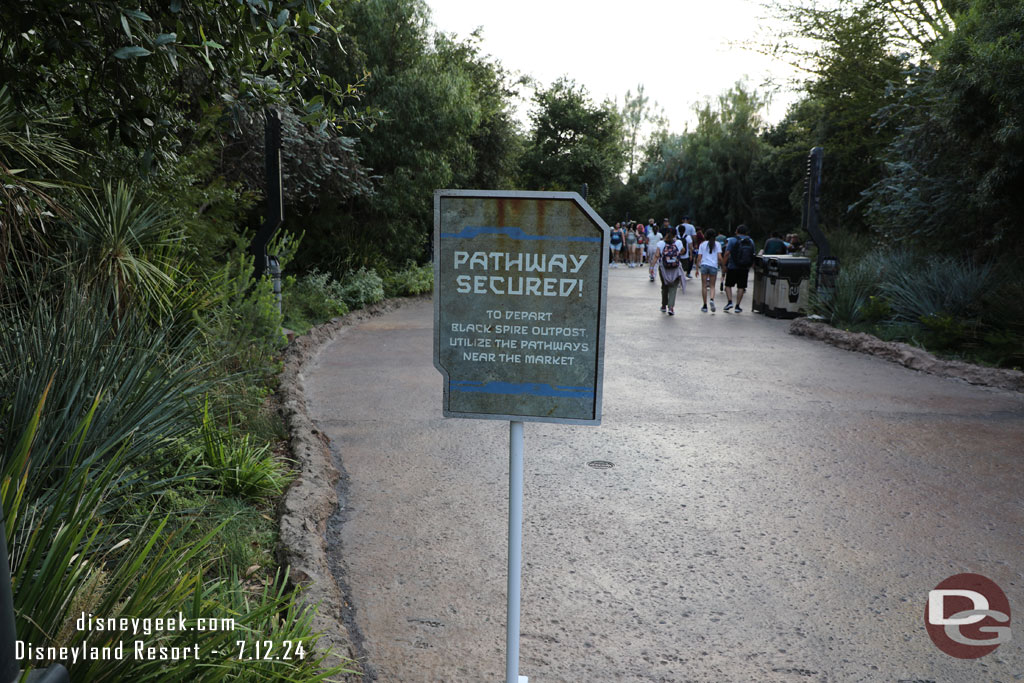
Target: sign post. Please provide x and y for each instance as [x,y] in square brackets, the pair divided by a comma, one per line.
[520,293]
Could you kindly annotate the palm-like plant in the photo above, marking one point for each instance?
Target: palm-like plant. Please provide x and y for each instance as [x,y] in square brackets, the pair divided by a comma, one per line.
[126,245]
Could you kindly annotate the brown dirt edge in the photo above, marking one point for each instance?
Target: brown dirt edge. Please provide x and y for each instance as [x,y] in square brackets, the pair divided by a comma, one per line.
[909,356]
[312,497]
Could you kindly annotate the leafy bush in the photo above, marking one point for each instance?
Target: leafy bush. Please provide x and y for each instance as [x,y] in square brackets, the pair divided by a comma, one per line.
[410,281]
[361,288]
[311,299]
[875,309]
[240,320]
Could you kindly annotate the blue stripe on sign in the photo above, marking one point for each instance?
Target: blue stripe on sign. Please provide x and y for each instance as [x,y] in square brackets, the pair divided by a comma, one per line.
[516,234]
[518,388]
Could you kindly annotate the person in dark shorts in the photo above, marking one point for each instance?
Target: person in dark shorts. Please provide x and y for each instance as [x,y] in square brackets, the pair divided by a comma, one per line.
[739,257]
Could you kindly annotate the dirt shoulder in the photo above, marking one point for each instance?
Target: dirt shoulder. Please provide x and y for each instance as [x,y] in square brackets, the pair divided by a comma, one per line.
[909,356]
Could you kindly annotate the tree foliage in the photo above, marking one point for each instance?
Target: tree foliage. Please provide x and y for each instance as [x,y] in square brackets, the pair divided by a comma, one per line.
[140,77]
[956,167]
[445,121]
[707,173]
[573,142]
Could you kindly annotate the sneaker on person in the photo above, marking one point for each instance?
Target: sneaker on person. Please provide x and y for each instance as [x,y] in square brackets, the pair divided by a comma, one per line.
[728,306]
[739,310]
[671,311]
[662,309]
[712,302]
[652,278]
[703,309]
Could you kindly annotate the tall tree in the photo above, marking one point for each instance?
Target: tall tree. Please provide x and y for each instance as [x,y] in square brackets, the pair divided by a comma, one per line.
[140,77]
[573,141]
[851,52]
[957,165]
[708,172]
[634,114]
[445,121]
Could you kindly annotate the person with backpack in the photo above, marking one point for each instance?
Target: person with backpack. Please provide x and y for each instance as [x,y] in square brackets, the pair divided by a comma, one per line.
[669,260]
[739,257]
[687,254]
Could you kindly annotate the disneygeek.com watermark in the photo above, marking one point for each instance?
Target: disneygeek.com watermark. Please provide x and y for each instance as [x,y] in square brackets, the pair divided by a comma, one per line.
[967,616]
[146,638]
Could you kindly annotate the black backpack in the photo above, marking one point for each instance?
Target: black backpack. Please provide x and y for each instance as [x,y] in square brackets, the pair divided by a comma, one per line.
[743,252]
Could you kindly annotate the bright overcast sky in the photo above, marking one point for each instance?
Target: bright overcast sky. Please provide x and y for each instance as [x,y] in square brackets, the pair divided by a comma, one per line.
[680,50]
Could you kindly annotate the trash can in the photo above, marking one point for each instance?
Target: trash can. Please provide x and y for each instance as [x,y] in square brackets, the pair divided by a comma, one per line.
[786,285]
[758,304]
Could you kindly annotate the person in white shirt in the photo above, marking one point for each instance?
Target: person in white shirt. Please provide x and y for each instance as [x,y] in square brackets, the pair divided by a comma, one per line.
[689,230]
[688,255]
[654,238]
[709,255]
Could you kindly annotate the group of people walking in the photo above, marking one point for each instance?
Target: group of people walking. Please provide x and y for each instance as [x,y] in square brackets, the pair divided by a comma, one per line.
[675,252]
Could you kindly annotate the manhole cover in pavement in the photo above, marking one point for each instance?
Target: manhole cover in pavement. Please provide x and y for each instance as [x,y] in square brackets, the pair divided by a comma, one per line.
[600,464]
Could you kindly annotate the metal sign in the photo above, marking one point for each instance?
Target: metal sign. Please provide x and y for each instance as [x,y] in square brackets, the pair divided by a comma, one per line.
[520,289]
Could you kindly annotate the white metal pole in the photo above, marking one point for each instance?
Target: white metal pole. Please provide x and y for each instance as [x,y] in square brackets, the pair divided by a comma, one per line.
[515,549]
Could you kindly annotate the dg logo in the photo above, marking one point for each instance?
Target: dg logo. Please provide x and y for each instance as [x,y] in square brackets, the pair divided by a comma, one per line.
[967,616]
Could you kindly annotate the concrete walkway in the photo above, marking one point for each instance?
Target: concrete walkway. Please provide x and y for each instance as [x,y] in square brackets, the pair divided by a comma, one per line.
[778,509]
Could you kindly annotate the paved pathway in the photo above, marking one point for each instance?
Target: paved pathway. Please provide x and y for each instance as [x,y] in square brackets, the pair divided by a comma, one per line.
[778,509]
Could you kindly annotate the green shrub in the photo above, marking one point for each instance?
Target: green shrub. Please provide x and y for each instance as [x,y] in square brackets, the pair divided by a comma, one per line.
[875,309]
[361,288]
[311,299]
[410,281]
[143,381]
[240,320]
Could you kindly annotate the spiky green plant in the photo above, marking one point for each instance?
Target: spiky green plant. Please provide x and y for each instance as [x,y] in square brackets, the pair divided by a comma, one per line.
[842,304]
[938,287]
[70,559]
[147,380]
[29,147]
[240,465]
[127,244]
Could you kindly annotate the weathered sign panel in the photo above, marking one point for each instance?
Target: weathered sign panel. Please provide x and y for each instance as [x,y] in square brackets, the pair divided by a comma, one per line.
[520,288]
